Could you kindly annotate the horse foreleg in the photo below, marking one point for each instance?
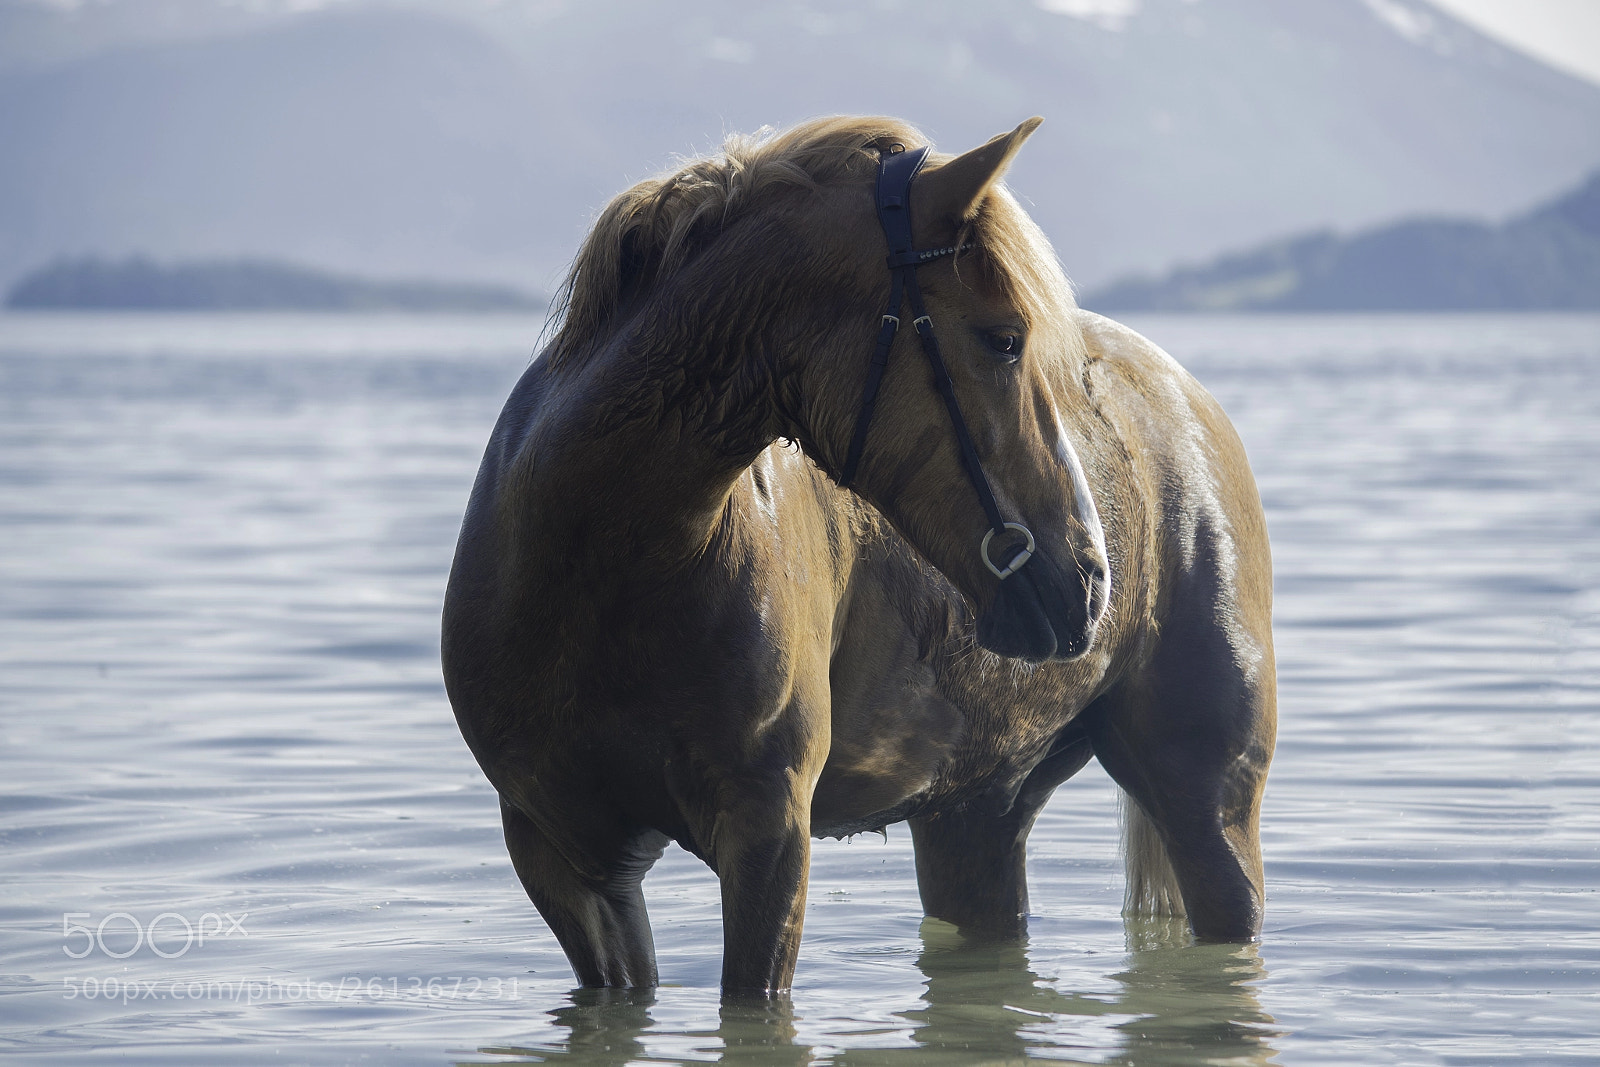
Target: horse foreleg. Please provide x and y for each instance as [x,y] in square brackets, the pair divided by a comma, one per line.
[972,868]
[764,864]
[758,829]
[764,882]
[598,914]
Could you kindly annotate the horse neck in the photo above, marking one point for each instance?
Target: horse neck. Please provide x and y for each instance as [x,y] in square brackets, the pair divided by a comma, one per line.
[645,449]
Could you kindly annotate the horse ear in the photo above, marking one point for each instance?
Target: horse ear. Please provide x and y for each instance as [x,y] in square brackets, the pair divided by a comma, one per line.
[951,194]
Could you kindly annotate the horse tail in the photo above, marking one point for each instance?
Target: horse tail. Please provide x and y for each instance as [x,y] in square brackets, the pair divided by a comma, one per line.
[1152,887]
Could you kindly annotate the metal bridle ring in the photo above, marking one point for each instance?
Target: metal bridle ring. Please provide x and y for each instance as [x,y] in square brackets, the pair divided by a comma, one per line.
[1017,561]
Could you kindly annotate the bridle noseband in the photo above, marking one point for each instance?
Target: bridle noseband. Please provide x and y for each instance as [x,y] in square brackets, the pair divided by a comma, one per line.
[896,169]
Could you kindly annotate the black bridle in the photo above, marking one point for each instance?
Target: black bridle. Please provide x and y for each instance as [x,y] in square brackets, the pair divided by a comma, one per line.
[896,169]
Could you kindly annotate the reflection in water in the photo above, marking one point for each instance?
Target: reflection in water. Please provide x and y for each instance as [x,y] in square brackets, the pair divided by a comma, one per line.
[1190,1003]
[605,1027]
[761,1034]
[980,1003]
[608,1027]
[1179,1003]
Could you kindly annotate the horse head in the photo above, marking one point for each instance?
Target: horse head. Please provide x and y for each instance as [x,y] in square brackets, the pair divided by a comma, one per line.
[1001,312]
[750,290]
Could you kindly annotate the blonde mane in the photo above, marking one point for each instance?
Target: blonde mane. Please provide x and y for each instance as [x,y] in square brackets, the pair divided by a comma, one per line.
[649,231]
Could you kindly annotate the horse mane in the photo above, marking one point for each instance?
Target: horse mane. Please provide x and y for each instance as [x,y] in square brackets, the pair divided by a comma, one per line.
[650,231]
[647,232]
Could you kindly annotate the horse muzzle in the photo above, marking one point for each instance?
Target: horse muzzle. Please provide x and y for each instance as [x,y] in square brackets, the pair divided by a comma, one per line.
[1045,611]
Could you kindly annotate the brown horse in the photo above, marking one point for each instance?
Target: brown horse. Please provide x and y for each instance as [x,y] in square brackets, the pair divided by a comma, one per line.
[667,621]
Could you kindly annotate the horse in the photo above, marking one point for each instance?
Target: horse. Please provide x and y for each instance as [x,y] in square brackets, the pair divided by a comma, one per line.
[743,567]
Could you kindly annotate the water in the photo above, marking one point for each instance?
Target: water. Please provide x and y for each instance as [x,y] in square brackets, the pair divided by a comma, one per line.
[224,545]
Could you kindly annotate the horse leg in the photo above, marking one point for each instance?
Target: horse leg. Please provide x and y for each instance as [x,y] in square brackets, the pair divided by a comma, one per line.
[764,879]
[762,855]
[1189,743]
[752,820]
[597,915]
[972,868]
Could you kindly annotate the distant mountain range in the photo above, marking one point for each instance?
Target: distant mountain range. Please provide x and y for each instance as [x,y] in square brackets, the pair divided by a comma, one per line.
[476,138]
[244,285]
[1548,258]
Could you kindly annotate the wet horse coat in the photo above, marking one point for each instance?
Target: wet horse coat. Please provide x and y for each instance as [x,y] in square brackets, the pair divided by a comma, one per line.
[666,621]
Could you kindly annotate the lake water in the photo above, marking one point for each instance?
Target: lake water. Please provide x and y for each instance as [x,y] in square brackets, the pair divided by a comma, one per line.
[237,822]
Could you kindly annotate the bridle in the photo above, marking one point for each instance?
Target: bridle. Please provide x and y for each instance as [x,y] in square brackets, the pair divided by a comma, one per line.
[896,168]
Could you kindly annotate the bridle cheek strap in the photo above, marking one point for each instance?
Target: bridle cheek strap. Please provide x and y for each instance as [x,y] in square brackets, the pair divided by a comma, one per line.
[895,173]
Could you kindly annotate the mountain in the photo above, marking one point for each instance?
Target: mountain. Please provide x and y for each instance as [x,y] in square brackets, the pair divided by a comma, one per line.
[375,142]
[477,138]
[244,285]
[1548,258]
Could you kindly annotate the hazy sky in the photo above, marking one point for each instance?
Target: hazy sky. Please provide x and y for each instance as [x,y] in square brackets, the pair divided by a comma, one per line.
[1565,33]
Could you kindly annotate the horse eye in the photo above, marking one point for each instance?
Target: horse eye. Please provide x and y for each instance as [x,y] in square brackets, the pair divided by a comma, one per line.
[1005,343]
